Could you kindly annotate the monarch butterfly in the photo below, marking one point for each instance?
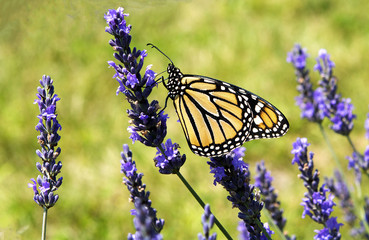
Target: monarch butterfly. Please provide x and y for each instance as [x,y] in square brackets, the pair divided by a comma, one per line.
[218,117]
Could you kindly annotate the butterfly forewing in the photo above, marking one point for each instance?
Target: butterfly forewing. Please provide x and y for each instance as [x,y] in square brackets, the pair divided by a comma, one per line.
[213,116]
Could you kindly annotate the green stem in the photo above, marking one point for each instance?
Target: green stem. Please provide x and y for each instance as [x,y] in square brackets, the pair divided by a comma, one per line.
[338,164]
[352,144]
[198,199]
[44,221]
[272,223]
[202,204]
[261,227]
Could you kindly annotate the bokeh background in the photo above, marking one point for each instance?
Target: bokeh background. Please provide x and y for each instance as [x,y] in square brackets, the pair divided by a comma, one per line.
[241,42]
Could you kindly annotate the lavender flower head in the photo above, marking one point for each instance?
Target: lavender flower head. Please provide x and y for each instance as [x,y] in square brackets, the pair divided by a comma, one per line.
[310,101]
[298,57]
[171,161]
[143,224]
[316,203]
[343,117]
[48,126]
[233,174]
[148,126]
[340,109]
[207,221]
[245,235]
[324,64]
[360,163]
[338,187]
[263,181]
[357,161]
[331,231]
[146,223]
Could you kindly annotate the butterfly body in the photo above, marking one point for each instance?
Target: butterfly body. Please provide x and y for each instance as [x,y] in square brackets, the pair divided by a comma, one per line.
[217,117]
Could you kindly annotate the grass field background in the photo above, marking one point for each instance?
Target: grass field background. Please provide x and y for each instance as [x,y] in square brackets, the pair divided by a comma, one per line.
[241,42]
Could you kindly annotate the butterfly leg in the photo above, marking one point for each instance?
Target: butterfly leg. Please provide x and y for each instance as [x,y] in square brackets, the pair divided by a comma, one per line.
[165,106]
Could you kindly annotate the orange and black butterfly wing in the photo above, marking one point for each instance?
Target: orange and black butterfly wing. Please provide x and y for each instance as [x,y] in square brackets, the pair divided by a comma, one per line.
[217,117]
[268,121]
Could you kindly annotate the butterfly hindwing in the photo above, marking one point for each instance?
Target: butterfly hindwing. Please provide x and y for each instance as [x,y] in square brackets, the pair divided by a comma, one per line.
[268,121]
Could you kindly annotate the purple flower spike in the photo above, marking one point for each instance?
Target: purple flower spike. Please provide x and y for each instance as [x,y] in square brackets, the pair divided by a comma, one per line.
[207,221]
[146,222]
[263,181]
[297,57]
[339,110]
[324,65]
[316,203]
[339,188]
[148,126]
[343,117]
[48,127]
[233,174]
[331,231]
[360,163]
[245,235]
[171,161]
[310,101]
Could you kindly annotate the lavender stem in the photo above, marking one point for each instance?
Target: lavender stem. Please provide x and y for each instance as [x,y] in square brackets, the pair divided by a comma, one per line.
[44,223]
[198,199]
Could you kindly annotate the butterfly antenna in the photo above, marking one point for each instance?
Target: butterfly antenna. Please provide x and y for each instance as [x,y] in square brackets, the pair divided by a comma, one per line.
[153,46]
[161,73]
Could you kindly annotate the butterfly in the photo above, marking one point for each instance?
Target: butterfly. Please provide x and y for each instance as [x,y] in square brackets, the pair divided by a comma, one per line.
[216,116]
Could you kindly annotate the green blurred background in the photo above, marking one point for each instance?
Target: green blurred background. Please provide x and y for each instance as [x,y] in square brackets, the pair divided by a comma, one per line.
[241,42]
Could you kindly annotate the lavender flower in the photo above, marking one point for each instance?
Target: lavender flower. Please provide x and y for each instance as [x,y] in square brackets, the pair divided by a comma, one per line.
[263,181]
[48,126]
[328,82]
[298,57]
[148,126]
[245,235]
[331,231]
[339,188]
[324,64]
[143,224]
[324,101]
[231,172]
[316,204]
[146,223]
[311,102]
[343,117]
[340,109]
[207,221]
[171,161]
[359,163]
